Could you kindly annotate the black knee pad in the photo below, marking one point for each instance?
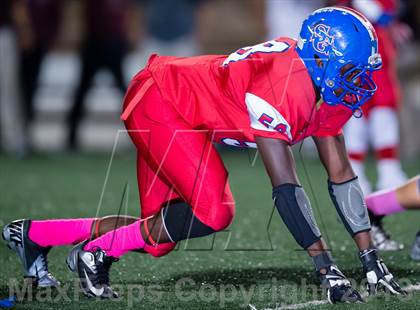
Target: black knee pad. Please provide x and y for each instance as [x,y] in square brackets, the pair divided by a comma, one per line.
[181,223]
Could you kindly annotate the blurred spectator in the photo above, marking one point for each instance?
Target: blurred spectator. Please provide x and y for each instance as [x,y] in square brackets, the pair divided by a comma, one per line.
[285,17]
[411,15]
[170,26]
[105,45]
[38,26]
[11,125]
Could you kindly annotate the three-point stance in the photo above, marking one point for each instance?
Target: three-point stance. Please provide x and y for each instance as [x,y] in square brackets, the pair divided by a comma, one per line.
[268,96]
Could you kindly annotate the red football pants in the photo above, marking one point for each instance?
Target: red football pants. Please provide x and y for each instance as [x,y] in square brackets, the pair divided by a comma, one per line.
[174,160]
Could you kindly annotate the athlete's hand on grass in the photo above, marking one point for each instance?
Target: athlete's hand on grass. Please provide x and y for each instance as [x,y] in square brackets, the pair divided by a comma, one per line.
[380,279]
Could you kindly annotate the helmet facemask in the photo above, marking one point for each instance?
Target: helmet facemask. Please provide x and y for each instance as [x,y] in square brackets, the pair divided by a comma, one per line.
[351,87]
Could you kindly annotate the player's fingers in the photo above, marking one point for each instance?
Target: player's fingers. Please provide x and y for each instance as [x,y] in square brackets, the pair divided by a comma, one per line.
[392,287]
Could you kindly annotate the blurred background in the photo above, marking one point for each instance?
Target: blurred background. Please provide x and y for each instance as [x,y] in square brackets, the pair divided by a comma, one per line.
[64,64]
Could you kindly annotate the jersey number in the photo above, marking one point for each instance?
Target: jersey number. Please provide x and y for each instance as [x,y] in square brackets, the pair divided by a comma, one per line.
[267,120]
[266,47]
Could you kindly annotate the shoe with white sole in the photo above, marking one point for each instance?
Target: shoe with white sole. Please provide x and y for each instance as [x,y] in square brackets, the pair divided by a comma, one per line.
[32,256]
[382,240]
[93,271]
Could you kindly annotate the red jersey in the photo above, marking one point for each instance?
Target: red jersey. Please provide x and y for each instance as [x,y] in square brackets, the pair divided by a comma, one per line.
[262,90]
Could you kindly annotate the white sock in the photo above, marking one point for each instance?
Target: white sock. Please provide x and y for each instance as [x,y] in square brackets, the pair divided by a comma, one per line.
[383,128]
[390,174]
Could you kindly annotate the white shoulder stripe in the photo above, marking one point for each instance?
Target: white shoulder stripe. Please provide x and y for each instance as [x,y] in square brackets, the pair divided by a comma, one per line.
[258,108]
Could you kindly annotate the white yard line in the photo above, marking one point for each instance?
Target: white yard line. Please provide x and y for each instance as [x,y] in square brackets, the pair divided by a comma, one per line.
[409,288]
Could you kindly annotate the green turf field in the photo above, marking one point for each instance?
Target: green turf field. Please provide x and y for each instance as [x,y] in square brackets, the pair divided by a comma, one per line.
[255,262]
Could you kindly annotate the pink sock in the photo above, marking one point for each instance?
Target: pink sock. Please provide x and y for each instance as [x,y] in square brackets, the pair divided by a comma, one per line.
[383,203]
[119,241]
[60,232]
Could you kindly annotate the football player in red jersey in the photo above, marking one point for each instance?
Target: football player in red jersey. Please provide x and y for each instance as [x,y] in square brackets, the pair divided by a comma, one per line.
[268,96]
[380,126]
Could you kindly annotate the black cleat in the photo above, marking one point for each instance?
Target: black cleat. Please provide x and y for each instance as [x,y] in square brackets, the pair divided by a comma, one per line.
[339,289]
[93,271]
[377,274]
[32,256]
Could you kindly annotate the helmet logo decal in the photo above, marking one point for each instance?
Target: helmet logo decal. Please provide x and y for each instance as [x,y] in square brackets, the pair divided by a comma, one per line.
[321,39]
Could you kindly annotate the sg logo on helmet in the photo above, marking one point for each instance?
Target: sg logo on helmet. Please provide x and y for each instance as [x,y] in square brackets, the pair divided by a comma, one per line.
[321,39]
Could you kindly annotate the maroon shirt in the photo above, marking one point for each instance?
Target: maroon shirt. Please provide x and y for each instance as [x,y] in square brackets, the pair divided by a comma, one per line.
[45,18]
[106,18]
[5,13]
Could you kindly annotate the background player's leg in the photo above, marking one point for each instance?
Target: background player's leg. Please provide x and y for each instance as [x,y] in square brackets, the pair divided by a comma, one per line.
[30,67]
[382,203]
[357,143]
[114,57]
[383,119]
[91,62]
[387,202]
[384,134]
[384,131]
[408,195]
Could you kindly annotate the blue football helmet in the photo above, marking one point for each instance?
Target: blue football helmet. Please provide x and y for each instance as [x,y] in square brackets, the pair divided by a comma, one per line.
[340,50]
